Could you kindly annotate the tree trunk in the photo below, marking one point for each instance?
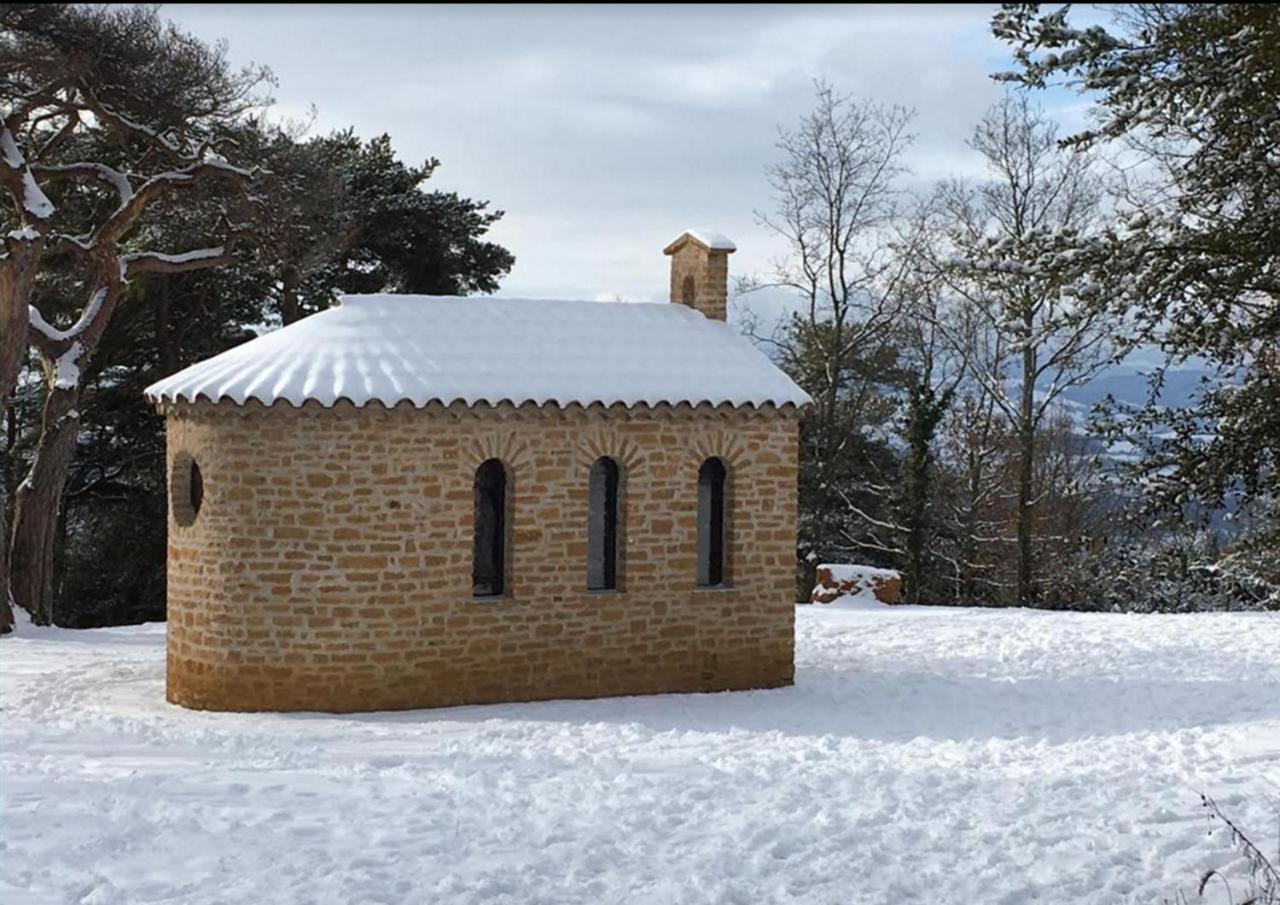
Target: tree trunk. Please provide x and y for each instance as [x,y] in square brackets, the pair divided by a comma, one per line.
[163,325]
[39,499]
[1026,584]
[917,529]
[17,280]
[289,296]
[6,607]
[1026,454]
[6,490]
[970,542]
[916,490]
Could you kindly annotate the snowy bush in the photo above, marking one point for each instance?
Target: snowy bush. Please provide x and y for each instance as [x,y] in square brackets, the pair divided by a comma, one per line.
[1180,572]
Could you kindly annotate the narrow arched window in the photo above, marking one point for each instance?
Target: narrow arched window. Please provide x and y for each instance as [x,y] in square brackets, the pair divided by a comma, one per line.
[197,488]
[602,526]
[186,489]
[488,563]
[688,294]
[711,479]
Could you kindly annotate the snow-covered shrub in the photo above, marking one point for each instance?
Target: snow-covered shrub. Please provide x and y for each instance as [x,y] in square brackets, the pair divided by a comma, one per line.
[1177,572]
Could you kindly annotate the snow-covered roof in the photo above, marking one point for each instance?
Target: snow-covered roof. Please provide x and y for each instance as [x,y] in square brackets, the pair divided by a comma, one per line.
[707,237]
[712,239]
[422,349]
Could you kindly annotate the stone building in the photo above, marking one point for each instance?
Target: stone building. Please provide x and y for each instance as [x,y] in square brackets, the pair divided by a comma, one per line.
[412,502]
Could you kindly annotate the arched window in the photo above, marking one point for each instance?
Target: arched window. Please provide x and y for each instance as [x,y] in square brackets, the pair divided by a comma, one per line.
[488,562]
[711,478]
[197,488]
[186,489]
[602,526]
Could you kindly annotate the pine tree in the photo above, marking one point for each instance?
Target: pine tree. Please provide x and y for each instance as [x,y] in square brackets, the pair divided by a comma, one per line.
[99,141]
[1190,94]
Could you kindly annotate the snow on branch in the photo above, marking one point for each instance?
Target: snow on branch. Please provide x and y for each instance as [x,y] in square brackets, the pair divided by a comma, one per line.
[128,213]
[161,262]
[66,373]
[169,140]
[195,259]
[123,122]
[52,334]
[66,131]
[89,171]
[17,175]
[81,244]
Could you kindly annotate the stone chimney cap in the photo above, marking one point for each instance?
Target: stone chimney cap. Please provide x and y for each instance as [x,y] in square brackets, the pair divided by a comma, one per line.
[707,238]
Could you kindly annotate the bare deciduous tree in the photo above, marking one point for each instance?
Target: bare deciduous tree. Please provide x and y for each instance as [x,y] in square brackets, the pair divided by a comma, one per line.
[1008,235]
[837,203]
[836,208]
[937,340]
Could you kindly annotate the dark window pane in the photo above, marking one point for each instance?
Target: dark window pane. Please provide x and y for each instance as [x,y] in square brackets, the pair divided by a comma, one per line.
[688,293]
[602,526]
[711,523]
[196,485]
[489,556]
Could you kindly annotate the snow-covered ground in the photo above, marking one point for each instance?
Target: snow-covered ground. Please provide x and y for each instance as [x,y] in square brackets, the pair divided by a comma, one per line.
[923,755]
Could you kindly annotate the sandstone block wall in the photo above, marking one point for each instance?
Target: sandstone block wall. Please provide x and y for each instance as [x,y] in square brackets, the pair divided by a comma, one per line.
[329,564]
[700,279]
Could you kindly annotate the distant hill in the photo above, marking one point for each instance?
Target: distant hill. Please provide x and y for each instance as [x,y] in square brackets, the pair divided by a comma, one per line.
[1132,386]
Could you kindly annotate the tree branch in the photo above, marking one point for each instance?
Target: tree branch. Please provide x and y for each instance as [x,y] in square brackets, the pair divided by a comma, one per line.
[88,172]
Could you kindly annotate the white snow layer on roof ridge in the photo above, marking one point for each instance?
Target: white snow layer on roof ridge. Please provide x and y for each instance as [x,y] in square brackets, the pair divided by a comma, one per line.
[475,350]
[712,239]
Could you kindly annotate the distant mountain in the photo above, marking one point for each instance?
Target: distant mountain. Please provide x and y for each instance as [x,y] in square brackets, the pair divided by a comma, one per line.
[1131,386]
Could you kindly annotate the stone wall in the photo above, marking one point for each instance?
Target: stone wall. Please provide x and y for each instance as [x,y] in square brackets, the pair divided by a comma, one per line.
[329,564]
[700,279]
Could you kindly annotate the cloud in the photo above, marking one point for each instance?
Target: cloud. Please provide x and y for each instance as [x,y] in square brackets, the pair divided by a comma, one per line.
[605,131]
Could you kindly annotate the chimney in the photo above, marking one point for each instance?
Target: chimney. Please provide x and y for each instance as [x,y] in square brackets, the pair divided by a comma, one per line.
[700,271]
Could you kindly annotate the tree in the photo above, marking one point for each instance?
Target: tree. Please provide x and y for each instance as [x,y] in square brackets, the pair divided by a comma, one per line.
[936,368]
[117,479]
[308,223]
[836,205]
[974,454]
[310,213]
[113,132]
[374,228]
[23,246]
[1189,92]
[1009,233]
[116,483]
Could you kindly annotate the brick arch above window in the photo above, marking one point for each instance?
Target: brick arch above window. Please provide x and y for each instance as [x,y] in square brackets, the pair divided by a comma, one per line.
[727,449]
[603,442]
[498,444]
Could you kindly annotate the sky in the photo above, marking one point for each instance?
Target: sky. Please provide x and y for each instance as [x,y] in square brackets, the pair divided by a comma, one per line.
[604,132]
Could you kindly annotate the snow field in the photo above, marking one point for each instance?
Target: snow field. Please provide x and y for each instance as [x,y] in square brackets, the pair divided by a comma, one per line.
[951,755]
